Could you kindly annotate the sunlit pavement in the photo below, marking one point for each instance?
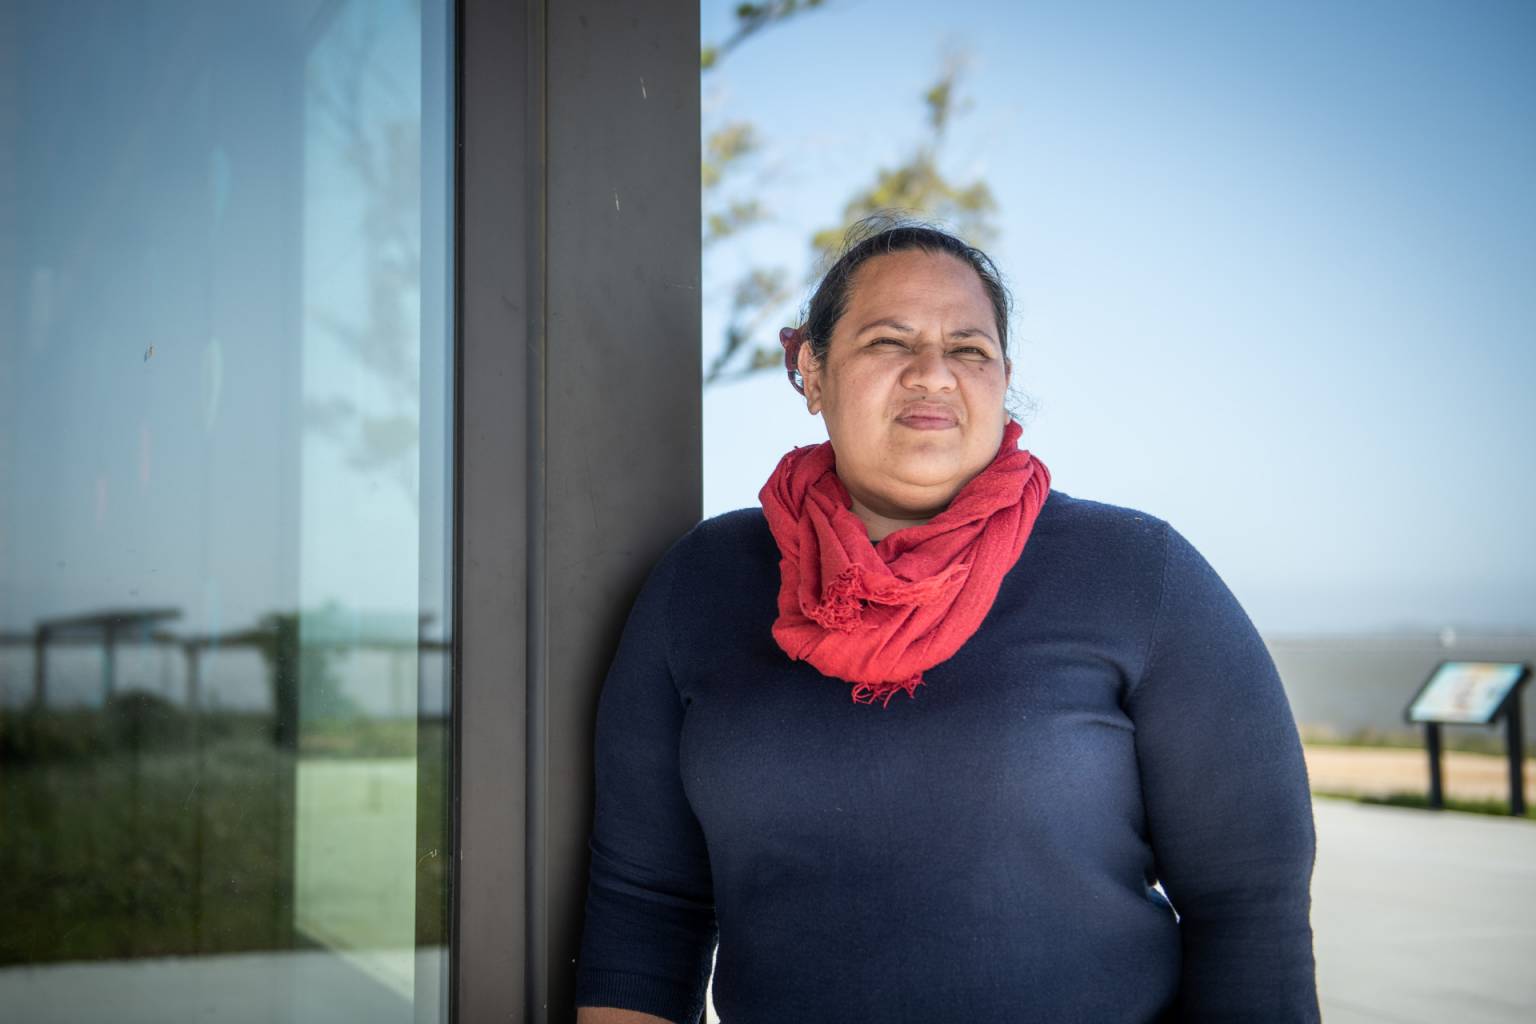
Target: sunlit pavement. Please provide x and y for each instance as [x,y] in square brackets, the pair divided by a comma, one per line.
[304,987]
[1419,917]
[1424,916]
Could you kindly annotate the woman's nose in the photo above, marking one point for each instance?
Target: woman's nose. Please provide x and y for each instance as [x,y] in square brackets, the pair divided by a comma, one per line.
[928,369]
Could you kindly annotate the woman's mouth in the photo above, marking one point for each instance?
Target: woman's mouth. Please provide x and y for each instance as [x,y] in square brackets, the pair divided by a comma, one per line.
[928,417]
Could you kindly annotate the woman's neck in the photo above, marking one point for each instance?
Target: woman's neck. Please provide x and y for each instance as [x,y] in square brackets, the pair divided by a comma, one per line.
[881,526]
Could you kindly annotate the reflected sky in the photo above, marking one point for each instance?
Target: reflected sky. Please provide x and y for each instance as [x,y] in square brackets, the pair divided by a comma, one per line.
[153,380]
[215,315]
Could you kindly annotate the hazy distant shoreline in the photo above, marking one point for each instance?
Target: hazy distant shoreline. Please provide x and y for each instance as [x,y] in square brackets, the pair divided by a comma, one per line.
[1358,685]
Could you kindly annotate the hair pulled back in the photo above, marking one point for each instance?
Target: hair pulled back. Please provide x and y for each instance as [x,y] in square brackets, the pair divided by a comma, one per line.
[880,235]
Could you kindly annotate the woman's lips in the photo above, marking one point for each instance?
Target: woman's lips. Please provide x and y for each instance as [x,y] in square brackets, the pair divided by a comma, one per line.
[928,418]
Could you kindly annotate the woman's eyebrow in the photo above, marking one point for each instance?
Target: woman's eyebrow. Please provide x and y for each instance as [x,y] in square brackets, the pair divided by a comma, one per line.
[905,328]
[895,325]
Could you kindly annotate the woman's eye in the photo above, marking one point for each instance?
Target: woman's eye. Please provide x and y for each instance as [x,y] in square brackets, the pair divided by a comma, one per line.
[886,341]
[970,350]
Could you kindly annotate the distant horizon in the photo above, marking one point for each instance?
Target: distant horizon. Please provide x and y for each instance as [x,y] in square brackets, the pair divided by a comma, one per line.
[322,621]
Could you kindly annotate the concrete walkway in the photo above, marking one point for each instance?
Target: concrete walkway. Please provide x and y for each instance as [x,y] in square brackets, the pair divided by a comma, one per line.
[1424,916]
[293,987]
[1418,916]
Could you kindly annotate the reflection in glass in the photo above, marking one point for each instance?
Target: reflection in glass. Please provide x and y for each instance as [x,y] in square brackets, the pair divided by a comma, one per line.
[224,397]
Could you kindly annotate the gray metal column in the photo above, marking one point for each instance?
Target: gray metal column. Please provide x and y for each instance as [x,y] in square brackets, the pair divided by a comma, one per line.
[578,440]
[498,255]
[624,463]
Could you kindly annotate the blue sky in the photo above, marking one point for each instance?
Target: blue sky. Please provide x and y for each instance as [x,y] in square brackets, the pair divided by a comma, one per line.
[1271,263]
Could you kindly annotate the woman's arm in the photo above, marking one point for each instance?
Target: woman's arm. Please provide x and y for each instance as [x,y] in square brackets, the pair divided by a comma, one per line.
[649,930]
[608,1015]
[1229,814]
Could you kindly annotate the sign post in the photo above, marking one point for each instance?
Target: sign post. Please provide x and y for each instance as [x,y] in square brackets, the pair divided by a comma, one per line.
[1473,693]
[1514,739]
[1432,744]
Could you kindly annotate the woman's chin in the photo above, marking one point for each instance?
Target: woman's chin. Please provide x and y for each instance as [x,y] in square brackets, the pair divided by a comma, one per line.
[932,467]
[921,494]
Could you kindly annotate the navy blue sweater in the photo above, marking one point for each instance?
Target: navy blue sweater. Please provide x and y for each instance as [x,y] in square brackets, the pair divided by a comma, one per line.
[984,851]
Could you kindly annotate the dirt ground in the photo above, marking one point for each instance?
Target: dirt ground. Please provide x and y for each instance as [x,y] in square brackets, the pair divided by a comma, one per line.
[1378,771]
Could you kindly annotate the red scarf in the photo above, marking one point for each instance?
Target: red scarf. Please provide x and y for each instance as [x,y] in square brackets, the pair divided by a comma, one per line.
[879,615]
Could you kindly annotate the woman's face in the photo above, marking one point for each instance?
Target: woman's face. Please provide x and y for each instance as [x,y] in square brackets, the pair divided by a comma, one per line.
[913,383]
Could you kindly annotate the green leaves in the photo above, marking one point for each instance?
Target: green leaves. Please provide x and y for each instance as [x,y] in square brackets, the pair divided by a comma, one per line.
[917,186]
[724,147]
[750,20]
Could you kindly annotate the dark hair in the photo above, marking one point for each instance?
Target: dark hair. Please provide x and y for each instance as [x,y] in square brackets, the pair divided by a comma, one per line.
[877,236]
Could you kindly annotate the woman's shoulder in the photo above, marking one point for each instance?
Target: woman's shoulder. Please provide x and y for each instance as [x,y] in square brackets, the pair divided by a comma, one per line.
[739,526]
[1107,548]
[1098,522]
[724,539]
[1108,541]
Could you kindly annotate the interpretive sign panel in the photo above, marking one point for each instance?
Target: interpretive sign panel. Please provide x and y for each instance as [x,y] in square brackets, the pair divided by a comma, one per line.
[1466,692]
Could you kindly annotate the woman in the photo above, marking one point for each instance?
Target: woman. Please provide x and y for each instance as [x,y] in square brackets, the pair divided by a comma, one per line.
[1069,707]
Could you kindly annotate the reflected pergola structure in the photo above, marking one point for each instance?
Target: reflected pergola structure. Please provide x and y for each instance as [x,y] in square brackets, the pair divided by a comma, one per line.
[105,626]
[110,628]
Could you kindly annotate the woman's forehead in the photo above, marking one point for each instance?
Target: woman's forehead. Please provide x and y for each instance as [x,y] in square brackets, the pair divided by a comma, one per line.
[911,282]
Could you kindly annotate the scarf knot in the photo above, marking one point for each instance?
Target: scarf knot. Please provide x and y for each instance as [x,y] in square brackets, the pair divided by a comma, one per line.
[841,608]
[879,615]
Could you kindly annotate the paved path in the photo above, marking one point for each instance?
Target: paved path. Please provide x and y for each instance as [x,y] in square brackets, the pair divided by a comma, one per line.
[1423,916]
[1419,917]
[295,987]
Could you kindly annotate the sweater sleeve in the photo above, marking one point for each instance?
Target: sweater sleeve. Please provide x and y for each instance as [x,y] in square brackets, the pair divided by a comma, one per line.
[1229,814]
[649,934]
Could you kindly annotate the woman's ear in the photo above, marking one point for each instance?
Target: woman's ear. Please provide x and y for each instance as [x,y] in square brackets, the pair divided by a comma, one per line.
[810,377]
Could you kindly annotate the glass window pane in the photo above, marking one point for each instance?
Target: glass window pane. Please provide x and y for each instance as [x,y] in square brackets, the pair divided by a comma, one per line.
[225,366]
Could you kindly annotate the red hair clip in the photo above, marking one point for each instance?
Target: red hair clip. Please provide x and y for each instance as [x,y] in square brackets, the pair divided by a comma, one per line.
[791,338]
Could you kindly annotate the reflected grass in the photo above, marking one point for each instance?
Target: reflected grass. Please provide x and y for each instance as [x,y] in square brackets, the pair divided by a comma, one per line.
[121,839]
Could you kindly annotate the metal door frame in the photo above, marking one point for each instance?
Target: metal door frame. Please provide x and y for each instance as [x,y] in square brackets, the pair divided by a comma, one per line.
[577,322]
